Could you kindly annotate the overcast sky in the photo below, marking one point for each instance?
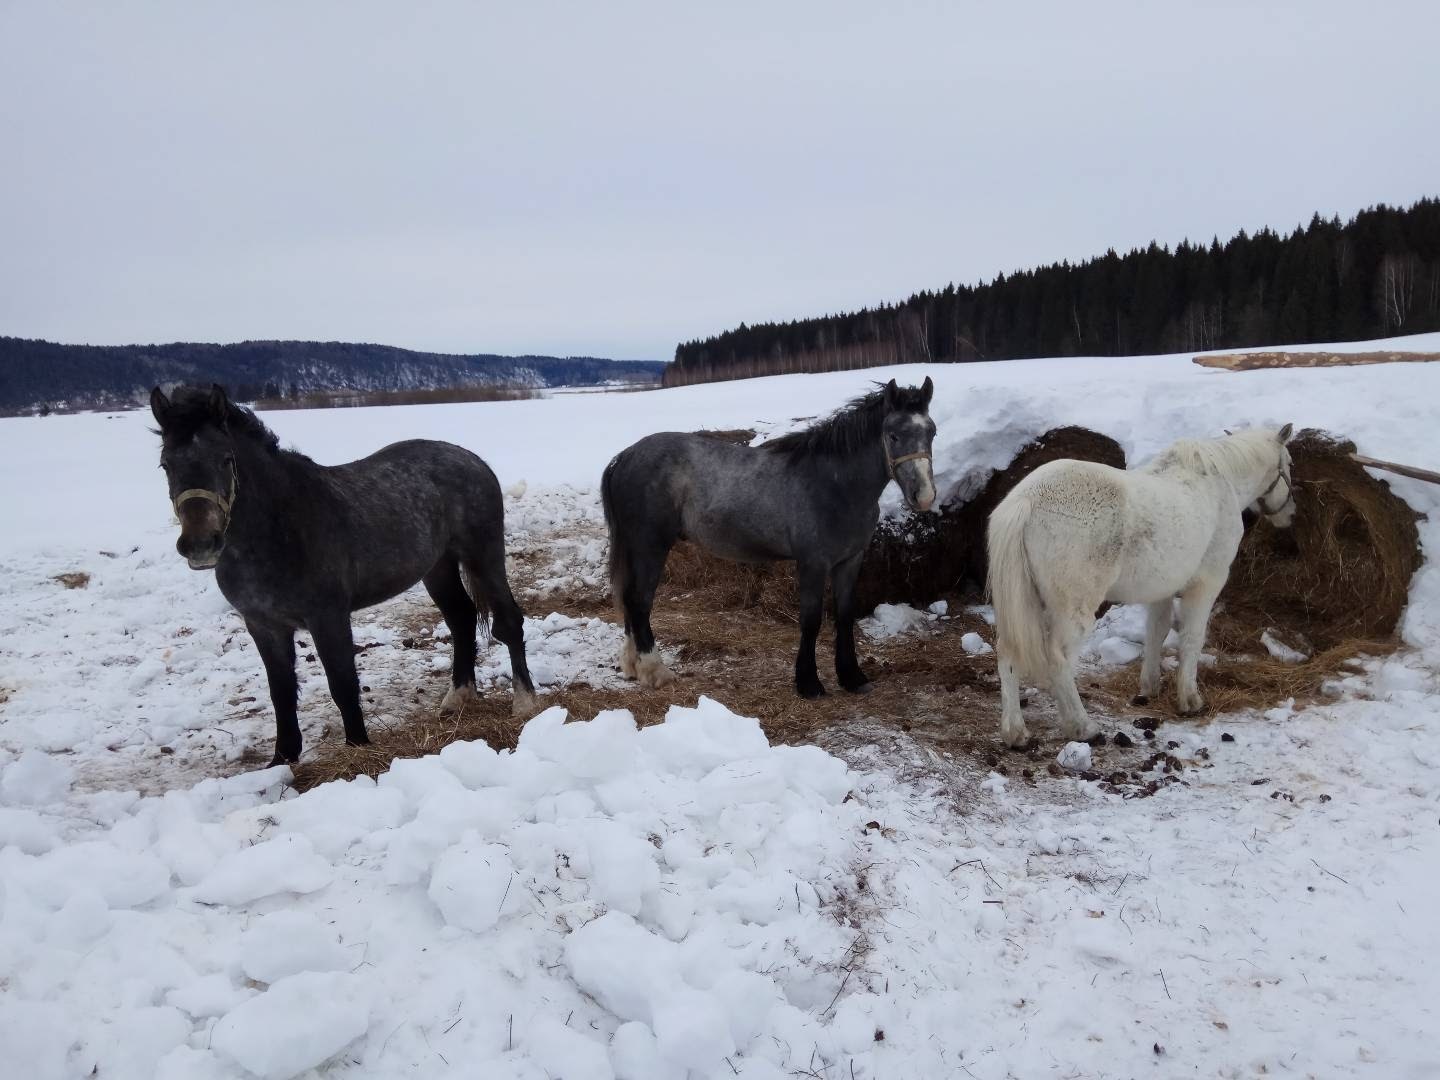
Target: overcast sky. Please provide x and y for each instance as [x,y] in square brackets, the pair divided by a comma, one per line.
[610,178]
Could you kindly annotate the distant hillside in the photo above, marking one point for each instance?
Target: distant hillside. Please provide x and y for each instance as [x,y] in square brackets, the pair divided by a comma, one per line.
[1377,275]
[38,373]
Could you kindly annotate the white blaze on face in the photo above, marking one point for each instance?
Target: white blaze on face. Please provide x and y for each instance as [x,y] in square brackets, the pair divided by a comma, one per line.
[924,473]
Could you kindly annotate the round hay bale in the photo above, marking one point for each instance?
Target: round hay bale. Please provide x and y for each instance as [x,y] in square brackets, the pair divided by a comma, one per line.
[1340,573]
[920,557]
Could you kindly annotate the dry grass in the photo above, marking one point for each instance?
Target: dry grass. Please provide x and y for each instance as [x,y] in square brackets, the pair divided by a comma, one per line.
[73,579]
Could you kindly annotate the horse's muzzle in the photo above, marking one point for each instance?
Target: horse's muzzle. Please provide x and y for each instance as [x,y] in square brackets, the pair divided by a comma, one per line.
[201,554]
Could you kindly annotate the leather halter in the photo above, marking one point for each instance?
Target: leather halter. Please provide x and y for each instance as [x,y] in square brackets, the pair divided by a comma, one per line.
[224,502]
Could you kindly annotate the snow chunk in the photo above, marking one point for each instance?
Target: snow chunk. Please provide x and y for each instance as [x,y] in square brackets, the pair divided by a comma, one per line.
[975,645]
[295,1025]
[288,942]
[1280,651]
[26,830]
[893,620]
[939,607]
[563,1052]
[35,779]
[285,864]
[471,884]
[1074,756]
[1118,651]
[124,879]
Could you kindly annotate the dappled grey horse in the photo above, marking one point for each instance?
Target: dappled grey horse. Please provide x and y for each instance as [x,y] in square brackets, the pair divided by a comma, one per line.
[812,496]
[299,545]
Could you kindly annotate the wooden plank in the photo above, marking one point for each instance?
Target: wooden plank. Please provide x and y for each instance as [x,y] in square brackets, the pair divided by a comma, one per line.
[1253,361]
[1404,470]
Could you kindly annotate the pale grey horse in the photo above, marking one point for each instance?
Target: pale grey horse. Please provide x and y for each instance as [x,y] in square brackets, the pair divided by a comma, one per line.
[812,496]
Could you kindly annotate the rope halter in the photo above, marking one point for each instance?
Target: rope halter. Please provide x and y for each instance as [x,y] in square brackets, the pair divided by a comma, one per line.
[224,502]
[1289,492]
[890,462]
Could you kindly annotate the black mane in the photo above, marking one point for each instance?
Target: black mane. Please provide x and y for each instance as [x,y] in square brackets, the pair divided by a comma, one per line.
[849,429]
[190,411]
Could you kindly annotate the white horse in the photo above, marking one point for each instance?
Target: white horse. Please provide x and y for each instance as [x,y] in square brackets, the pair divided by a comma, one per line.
[1074,533]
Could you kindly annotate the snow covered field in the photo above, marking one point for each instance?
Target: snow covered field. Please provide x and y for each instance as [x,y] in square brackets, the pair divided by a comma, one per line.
[683,900]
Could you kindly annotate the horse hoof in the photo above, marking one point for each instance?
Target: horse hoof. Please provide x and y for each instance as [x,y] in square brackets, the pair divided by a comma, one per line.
[1140,699]
[861,688]
[810,693]
[281,759]
[363,740]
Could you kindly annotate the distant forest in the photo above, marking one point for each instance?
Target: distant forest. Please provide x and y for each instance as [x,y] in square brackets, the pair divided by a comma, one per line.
[1377,275]
[41,375]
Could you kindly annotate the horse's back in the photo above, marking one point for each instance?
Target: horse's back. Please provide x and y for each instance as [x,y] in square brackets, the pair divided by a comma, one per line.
[729,498]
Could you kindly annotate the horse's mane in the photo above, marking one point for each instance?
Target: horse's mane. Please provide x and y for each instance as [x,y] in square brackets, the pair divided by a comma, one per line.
[850,428]
[1245,451]
[190,411]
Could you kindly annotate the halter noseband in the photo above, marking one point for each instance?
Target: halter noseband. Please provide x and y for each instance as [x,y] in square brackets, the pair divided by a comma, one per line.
[1289,492]
[890,462]
[224,502]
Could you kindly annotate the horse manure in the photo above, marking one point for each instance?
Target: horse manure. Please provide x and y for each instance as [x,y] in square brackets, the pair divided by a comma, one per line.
[1122,740]
[1172,745]
[1225,736]
[1097,740]
[1054,770]
[1149,733]
[310,658]
[1324,798]
[364,689]
[407,643]
[1262,780]
[1147,723]
[1140,700]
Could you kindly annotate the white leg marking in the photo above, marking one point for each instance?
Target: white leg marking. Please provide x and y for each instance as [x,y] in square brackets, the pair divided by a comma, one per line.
[522,702]
[651,670]
[627,658]
[459,698]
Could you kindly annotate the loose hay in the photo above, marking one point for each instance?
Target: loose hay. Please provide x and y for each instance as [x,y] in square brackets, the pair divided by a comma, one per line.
[1340,573]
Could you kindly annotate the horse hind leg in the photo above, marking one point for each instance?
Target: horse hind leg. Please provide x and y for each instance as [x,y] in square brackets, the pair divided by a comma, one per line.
[639,658]
[1067,635]
[490,588]
[1013,732]
[446,588]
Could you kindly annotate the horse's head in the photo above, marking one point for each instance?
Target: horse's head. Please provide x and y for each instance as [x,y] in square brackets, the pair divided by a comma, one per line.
[907,436]
[198,456]
[1277,499]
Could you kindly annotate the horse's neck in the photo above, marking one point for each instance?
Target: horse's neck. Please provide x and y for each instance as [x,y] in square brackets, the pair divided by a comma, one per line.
[865,471]
[263,480]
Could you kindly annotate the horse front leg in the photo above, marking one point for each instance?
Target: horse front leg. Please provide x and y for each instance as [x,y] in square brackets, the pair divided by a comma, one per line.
[1159,617]
[335,646]
[847,666]
[1196,603]
[276,645]
[812,611]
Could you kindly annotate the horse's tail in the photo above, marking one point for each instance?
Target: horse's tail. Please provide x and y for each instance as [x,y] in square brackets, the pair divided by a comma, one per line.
[1020,616]
[619,562]
[480,598]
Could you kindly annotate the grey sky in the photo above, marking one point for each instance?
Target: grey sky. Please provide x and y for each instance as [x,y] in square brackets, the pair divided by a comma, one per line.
[611,178]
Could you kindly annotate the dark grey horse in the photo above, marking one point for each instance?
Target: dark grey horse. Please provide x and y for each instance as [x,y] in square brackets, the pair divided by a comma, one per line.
[812,496]
[295,544]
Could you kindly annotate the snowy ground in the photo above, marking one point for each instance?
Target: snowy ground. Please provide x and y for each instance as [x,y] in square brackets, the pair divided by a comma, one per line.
[684,900]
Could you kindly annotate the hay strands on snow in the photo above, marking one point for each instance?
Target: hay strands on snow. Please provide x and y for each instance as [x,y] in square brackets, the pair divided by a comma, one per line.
[1404,470]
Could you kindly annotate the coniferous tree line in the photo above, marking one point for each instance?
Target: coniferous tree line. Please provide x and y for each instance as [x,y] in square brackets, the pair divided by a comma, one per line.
[1377,275]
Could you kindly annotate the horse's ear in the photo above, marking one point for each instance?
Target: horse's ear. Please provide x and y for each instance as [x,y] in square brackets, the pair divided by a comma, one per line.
[159,406]
[1283,435]
[892,394]
[219,404]
[927,391]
